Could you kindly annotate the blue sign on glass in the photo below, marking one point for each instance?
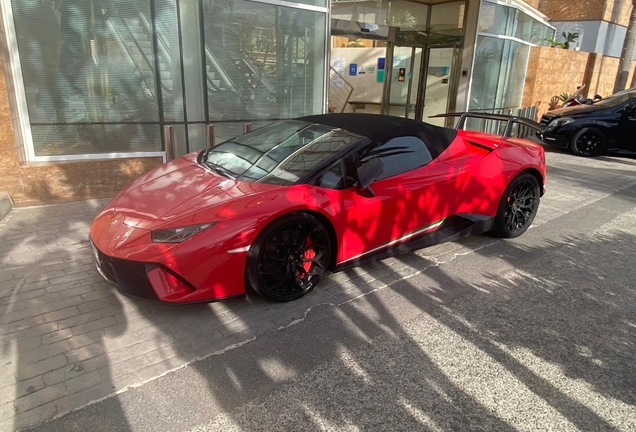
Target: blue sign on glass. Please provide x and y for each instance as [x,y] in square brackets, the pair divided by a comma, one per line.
[353,69]
[381,63]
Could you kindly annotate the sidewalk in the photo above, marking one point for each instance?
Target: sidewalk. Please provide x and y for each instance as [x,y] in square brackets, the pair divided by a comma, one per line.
[68,338]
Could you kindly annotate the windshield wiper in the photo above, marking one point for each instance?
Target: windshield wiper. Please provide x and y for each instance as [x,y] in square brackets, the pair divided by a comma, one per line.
[218,169]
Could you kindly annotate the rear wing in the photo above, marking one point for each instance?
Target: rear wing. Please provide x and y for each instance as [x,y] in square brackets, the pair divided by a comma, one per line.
[515,126]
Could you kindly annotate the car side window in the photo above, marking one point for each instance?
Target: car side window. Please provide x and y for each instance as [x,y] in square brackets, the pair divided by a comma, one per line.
[398,155]
[332,178]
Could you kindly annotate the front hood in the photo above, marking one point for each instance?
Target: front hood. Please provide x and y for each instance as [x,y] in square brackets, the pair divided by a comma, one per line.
[575,110]
[176,189]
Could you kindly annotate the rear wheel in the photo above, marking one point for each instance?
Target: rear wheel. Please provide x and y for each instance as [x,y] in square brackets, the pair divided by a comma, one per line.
[288,257]
[589,142]
[518,207]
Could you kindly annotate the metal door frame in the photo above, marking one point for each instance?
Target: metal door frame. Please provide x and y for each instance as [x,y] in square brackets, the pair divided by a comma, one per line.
[453,82]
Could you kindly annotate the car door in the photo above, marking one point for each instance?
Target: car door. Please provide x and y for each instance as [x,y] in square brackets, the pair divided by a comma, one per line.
[404,200]
[627,128]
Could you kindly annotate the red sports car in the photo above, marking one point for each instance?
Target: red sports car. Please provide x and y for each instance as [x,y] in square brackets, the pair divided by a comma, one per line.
[275,208]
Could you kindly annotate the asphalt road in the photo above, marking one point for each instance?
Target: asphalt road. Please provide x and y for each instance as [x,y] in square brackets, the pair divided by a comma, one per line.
[536,333]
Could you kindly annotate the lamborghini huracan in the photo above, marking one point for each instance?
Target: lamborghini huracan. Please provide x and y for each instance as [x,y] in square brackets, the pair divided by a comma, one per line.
[274,209]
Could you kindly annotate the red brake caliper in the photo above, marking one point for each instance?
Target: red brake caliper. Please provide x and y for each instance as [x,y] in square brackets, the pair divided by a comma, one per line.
[309,254]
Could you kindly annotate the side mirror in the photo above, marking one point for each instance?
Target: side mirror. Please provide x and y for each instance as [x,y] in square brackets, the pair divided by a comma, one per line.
[369,172]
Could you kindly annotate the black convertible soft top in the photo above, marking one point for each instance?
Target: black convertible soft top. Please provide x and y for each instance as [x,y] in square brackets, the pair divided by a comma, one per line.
[382,127]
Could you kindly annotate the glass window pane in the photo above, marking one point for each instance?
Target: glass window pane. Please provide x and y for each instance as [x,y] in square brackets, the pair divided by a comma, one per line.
[169,59]
[486,73]
[531,30]
[447,17]
[281,153]
[193,76]
[74,139]
[407,15]
[524,26]
[403,14]
[498,75]
[87,62]
[516,61]
[263,61]
[541,32]
[398,155]
[333,178]
[493,18]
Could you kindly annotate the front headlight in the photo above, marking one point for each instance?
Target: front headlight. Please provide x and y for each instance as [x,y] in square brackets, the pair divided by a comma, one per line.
[177,235]
[560,122]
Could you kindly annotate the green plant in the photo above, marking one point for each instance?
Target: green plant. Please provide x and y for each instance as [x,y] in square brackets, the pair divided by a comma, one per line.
[553,43]
[356,44]
[569,38]
[403,19]
[564,96]
[554,102]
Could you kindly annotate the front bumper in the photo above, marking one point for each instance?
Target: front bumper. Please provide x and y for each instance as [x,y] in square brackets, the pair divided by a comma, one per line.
[554,138]
[139,279]
[154,281]
[129,277]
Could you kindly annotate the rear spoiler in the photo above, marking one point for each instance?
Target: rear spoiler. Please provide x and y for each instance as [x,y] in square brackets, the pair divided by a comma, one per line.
[522,124]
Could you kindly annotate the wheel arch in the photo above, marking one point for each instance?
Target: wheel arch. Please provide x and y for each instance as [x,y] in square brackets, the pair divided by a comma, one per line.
[330,229]
[536,173]
[326,221]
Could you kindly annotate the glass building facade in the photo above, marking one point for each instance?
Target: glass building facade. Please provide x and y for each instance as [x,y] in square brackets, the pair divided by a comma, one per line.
[104,76]
[505,35]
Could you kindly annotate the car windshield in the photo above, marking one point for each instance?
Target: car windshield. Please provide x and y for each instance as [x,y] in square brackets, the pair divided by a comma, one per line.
[279,153]
[617,99]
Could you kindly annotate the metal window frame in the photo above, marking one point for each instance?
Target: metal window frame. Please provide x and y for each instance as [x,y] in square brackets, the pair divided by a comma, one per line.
[519,7]
[15,68]
[502,37]
[294,5]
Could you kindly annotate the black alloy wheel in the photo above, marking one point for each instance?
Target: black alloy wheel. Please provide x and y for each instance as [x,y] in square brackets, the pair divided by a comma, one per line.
[288,257]
[518,207]
[589,142]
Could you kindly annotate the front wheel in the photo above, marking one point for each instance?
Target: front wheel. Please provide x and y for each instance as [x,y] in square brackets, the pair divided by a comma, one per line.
[288,257]
[518,207]
[588,142]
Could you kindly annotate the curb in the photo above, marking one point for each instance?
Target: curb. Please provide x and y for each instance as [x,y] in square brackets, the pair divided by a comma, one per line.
[6,204]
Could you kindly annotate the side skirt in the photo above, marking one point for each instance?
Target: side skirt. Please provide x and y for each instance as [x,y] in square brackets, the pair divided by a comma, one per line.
[453,228]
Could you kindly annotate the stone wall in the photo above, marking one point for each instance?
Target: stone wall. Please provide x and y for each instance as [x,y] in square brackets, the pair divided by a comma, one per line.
[553,71]
[533,3]
[618,11]
[613,11]
[573,10]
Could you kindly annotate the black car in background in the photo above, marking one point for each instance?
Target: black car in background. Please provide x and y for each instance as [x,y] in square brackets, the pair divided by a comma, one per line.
[590,130]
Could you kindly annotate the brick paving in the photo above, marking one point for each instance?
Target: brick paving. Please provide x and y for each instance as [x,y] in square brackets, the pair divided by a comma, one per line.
[68,338]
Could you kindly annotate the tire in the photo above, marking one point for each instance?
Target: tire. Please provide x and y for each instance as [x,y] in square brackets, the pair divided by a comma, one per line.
[518,207]
[588,142]
[288,257]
